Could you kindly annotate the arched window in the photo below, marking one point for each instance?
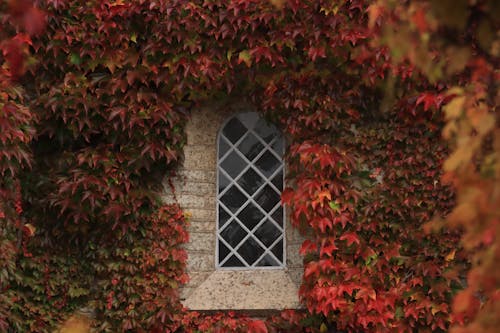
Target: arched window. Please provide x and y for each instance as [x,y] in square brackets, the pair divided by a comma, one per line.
[250,218]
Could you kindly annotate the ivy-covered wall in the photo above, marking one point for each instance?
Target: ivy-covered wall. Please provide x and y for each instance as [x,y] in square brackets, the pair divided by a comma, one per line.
[98,120]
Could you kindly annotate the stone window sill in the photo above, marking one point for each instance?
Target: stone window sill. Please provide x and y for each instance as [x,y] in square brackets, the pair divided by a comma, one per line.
[245,290]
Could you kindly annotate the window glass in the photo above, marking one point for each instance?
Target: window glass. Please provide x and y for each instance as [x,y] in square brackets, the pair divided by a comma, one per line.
[250,229]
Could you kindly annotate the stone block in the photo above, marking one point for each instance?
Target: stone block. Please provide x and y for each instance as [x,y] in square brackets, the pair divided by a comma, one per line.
[245,290]
[205,227]
[198,188]
[202,215]
[293,235]
[199,157]
[188,201]
[197,278]
[201,242]
[200,262]
[202,131]
[296,275]
[293,258]
[168,198]
[205,176]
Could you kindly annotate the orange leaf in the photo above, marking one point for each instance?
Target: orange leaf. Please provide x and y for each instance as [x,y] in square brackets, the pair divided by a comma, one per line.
[450,256]
[462,301]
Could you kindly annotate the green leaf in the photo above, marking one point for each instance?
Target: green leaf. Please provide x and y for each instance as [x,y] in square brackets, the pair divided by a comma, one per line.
[77,292]
[371,259]
[245,57]
[133,37]
[334,206]
[398,313]
[75,59]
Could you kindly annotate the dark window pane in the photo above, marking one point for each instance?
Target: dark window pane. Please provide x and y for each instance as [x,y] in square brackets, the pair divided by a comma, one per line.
[267,233]
[233,262]
[267,198]
[223,251]
[277,250]
[248,119]
[250,181]
[223,147]
[250,216]
[234,130]
[233,199]
[267,163]
[223,217]
[277,145]
[233,234]
[250,250]
[268,261]
[265,130]
[233,164]
[223,181]
[278,180]
[278,216]
[250,146]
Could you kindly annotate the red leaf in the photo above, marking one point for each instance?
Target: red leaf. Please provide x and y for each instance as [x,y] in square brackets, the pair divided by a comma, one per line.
[420,21]
[23,38]
[328,249]
[324,223]
[350,237]
[308,246]
[34,21]
[430,100]
[287,196]
[13,54]
[427,99]
[257,326]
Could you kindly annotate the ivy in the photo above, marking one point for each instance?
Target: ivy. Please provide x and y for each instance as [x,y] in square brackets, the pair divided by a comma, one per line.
[93,104]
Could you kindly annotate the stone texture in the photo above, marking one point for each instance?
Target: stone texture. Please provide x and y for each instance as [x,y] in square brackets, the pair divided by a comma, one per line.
[186,292]
[293,236]
[245,290]
[198,176]
[195,191]
[296,275]
[293,258]
[201,242]
[195,279]
[199,188]
[200,262]
[200,157]
[202,214]
[196,201]
[198,226]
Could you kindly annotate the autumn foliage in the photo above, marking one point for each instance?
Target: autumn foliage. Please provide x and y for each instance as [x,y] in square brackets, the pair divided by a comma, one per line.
[391,112]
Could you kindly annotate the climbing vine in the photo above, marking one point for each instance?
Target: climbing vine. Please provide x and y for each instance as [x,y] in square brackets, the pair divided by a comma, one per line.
[98,122]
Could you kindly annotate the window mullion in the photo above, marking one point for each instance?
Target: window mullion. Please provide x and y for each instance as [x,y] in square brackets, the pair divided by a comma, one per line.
[233,251]
[268,251]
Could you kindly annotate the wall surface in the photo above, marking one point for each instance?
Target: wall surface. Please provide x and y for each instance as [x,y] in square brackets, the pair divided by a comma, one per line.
[195,190]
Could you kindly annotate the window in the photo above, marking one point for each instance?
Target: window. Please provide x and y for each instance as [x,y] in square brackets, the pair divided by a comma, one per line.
[270,281]
[250,218]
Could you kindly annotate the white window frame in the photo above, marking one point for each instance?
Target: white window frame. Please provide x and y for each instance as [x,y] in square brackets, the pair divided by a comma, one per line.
[250,198]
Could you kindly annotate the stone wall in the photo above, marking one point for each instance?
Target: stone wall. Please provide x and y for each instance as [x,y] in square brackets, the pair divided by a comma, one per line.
[195,190]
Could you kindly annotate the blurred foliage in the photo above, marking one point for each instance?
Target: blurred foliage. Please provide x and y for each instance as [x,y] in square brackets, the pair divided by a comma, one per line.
[456,44]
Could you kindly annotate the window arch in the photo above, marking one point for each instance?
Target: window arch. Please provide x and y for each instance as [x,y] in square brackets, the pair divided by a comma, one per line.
[250,176]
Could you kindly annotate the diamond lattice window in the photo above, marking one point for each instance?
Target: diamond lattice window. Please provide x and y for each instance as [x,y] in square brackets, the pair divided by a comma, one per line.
[250,231]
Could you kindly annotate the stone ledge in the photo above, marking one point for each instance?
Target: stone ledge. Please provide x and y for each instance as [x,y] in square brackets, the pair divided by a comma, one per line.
[245,290]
